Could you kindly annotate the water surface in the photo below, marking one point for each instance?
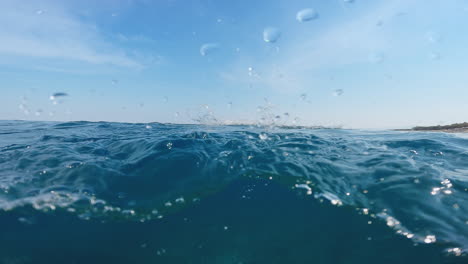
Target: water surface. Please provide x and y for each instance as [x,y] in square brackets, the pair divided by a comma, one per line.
[83,192]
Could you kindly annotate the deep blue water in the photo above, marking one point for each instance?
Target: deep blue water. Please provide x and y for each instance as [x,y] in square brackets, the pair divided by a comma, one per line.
[84,192]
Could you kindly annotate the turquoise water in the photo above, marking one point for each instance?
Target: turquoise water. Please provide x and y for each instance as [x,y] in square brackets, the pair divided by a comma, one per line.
[82,192]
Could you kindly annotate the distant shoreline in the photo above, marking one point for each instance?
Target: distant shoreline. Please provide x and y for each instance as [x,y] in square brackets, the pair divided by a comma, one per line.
[453,128]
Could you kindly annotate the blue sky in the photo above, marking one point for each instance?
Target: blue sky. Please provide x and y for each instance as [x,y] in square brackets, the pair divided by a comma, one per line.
[398,63]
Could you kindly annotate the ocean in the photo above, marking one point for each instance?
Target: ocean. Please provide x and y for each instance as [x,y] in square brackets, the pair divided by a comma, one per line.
[84,192]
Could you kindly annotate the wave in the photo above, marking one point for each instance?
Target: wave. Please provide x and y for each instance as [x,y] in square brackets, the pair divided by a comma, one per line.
[414,183]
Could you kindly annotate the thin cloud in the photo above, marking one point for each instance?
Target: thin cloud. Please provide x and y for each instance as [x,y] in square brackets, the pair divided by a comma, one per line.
[52,32]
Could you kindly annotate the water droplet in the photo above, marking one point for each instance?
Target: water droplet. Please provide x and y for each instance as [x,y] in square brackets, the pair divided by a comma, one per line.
[433,37]
[305,187]
[377,58]
[455,251]
[169,145]
[38,112]
[303,96]
[435,191]
[336,202]
[271,34]
[208,48]
[263,136]
[307,14]
[446,183]
[128,212]
[148,127]
[251,72]
[430,239]
[180,200]
[25,220]
[392,221]
[226,228]
[114,82]
[348,1]
[56,96]
[39,12]
[434,56]
[338,92]
[229,105]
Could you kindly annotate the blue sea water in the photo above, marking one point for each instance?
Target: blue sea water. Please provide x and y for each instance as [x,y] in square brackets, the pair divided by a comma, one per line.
[82,192]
